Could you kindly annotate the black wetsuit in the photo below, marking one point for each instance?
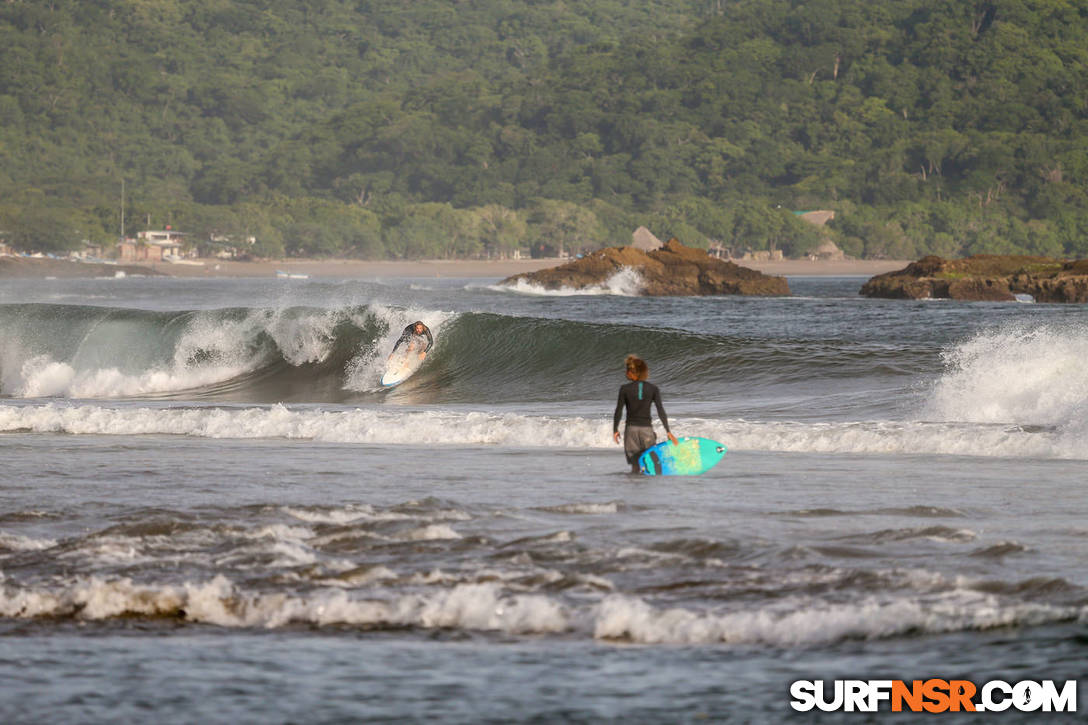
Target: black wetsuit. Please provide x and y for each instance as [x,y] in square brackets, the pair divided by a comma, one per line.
[636,397]
[410,333]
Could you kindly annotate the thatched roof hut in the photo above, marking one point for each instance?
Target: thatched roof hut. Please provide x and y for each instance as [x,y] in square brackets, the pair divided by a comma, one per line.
[644,239]
[827,249]
[818,217]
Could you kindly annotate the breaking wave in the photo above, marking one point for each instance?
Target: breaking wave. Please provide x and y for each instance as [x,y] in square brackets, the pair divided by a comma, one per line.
[336,355]
[1020,374]
[489,607]
[1023,379]
[393,426]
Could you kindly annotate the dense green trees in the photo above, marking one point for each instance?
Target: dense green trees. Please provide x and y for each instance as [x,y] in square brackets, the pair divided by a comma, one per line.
[438,128]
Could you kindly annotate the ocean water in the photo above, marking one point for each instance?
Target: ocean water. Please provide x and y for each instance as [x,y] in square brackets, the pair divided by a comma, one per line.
[210,510]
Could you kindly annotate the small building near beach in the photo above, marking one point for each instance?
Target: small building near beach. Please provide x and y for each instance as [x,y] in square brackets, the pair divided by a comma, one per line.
[151,246]
[88,250]
[827,250]
[763,255]
[644,239]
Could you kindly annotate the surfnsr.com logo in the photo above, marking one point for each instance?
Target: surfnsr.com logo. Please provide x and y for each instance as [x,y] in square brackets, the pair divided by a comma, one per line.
[934,695]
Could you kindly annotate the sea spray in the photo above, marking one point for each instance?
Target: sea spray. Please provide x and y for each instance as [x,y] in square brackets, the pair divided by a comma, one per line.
[1020,374]
[624,282]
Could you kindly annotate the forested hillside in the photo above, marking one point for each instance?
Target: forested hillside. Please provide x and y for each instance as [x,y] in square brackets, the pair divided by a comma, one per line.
[412,128]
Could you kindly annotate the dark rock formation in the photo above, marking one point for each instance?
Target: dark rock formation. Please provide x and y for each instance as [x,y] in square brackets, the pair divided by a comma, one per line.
[673,270]
[984,277]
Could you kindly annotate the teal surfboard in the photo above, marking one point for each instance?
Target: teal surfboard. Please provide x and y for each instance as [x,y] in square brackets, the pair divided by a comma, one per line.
[689,457]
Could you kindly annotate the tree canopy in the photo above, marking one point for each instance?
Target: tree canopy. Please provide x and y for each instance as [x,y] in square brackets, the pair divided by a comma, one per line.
[438,128]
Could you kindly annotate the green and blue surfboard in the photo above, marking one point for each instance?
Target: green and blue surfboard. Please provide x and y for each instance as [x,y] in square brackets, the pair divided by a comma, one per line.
[690,456]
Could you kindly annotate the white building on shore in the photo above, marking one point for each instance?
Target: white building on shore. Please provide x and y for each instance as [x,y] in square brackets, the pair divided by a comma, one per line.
[152,246]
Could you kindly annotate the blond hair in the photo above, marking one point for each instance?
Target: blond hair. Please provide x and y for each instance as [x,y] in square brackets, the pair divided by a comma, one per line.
[638,366]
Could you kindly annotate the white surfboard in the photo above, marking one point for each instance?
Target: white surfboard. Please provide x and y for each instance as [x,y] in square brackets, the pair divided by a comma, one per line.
[402,365]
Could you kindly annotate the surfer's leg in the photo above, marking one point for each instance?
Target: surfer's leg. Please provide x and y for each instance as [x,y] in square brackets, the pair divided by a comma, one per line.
[630,444]
[647,439]
[636,439]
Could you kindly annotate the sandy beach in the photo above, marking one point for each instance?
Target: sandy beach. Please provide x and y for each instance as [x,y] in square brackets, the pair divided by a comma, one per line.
[353,268]
[828,268]
[485,268]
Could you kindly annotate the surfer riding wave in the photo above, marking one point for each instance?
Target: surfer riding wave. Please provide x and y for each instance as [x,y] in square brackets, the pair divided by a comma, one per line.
[407,354]
[413,338]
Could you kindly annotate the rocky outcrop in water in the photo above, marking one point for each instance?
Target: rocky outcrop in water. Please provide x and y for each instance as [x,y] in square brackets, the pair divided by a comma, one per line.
[985,277]
[672,270]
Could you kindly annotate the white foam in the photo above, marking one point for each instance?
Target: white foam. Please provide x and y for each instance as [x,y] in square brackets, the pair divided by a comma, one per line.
[482,607]
[475,576]
[811,622]
[41,376]
[376,425]
[109,550]
[293,553]
[280,532]
[634,552]
[895,438]
[223,346]
[1019,374]
[956,536]
[625,282]
[590,509]
[17,542]
[384,425]
[345,515]
[220,602]
[304,339]
[789,622]
[289,546]
[430,533]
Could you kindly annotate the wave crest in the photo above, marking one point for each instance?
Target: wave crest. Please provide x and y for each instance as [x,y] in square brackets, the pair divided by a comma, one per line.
[489,607]
[624,282]
[1018,374]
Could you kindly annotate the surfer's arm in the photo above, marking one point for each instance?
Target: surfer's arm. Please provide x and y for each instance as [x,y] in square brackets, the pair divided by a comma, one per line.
[664,418]
[616,417]
[430,340]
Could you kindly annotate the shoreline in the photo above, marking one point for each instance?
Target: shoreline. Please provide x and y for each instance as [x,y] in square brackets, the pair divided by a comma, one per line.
[828,267]
[353,268]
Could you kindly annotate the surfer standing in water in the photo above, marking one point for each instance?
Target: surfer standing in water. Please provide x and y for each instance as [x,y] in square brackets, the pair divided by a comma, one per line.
[414,336]
[636,396]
